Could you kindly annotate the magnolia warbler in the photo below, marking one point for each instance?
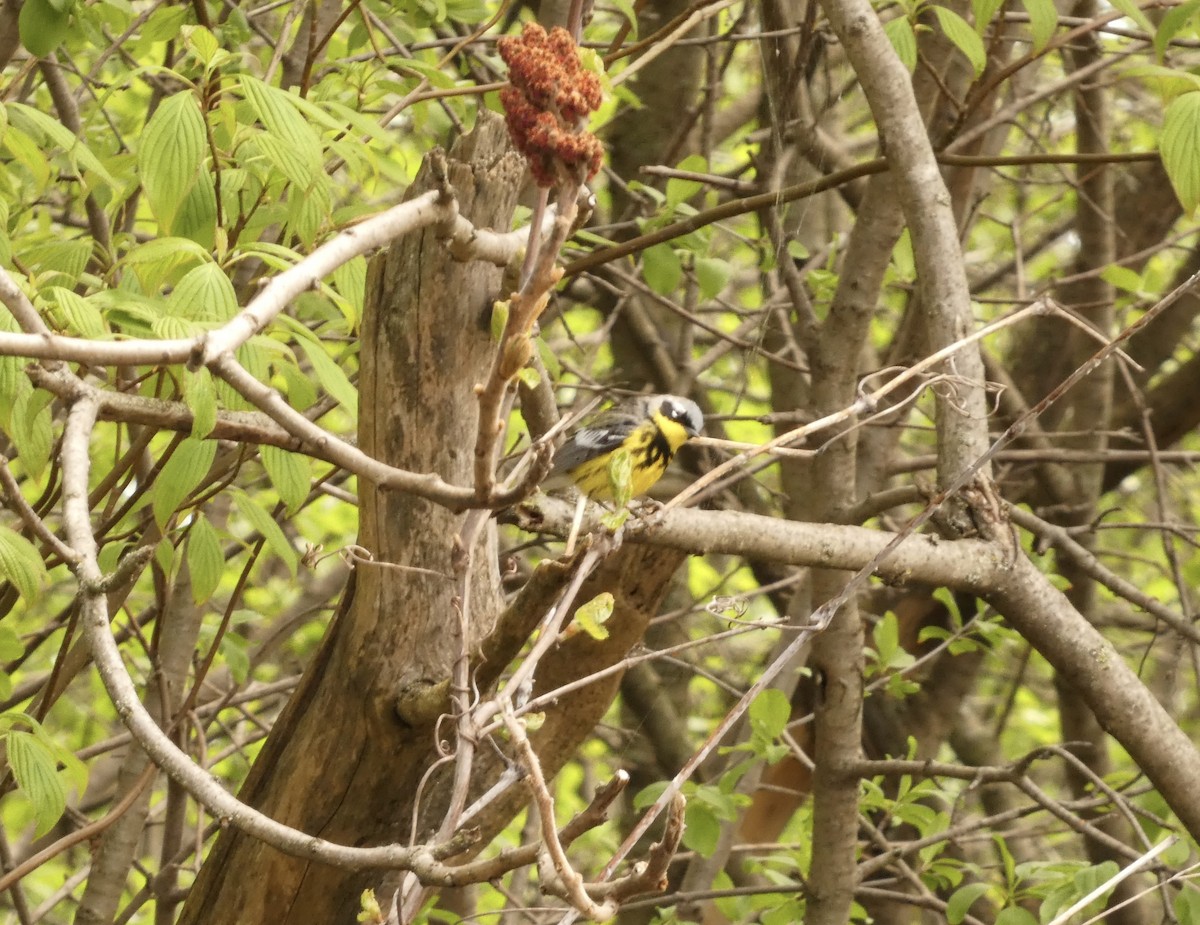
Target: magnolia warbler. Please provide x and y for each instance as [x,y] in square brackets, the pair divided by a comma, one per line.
[649,428]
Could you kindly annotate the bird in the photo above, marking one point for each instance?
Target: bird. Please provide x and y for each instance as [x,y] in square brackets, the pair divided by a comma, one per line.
[649,428]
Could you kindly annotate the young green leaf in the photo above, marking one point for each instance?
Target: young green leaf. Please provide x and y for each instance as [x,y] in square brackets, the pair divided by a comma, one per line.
[180,475]
[170,156]
[36,774]
[984,10]
[965,38]
[200,395]
[900,33]
[83,318]
[42,26]
[289,474]
[32,429]
[1134,12]
[1172,21]
[289,141]
[205,558]
[204,294]
[331,377]
[661,268]
[1043,20]
[1178,146]
[712,275]
[265,523]
[592,616]
[620,477]
[21,564]
[962,899]
[769,713]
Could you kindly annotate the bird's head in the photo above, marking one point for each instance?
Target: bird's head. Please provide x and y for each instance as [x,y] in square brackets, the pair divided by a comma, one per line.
[682,411]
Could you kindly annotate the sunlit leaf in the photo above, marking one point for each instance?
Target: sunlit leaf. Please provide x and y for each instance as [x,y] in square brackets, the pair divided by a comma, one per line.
[1178,146]
[290,474]
[36,773]
[200,394]
[900,33]
[180,475]
[21,564]
[662,269]
[1043,20]
[965,38]
[265,524]
[770,712]
[331,377]
[171,155]
[205,558]
[592,616]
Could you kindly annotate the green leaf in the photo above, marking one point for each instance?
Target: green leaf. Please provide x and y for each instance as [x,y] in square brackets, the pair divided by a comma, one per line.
[26,152]
[712,275]
[886,635]
[180,475]
[200,395]
[592,616]
[769,713]
[790,912]
[36,772]
[83,318]
[1168,82]
[204,294]
[530,377]
[350,280]
[1187,907]
[205,558]
[288,160]
[164,23]
[235,650]
[11,647]
[965,38]
[703,829]
[197,218]
[202,43]
[1123,278]
[32,429]
[289,474]
[1015,915]
[1134,12]
[984,10]
[154,261]
[1173,20]
[900,33]
[266,524]
[1178,146]
[961,900]
[289,141]
[500,312]
[331,377]
[35,121]
[21,564]
[661,268]
[620,477]
[171,156]
[42,26]
[680,190]
[1043,20]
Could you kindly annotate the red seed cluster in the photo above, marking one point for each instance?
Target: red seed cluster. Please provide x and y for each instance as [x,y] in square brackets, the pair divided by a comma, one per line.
[547,103]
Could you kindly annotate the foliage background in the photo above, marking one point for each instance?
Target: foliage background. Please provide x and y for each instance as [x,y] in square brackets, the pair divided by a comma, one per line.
[769,238]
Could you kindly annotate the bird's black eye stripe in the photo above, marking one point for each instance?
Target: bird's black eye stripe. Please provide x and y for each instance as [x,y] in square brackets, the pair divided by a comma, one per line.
[659,448]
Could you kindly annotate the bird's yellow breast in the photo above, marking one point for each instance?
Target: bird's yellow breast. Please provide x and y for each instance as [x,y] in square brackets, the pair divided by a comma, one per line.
[650,446]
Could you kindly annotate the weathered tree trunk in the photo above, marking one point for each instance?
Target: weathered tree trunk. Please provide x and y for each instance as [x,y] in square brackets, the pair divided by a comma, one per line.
[340,763]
